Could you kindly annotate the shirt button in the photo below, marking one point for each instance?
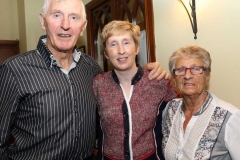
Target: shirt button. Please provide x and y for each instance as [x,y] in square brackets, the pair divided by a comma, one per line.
[126,114]
[127,153]
[75,110]
[126,134]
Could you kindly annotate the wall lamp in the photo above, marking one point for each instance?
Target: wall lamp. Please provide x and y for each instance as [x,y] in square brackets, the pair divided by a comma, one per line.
[193,19]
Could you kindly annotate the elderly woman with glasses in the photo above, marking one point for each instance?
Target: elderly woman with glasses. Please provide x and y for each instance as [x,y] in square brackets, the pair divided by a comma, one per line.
[199,125]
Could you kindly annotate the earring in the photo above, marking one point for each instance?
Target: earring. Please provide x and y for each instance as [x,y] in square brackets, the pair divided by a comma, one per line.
[105,55]
[175,84]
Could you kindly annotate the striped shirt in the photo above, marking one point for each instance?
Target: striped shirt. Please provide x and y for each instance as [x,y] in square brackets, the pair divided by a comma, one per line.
[50,114]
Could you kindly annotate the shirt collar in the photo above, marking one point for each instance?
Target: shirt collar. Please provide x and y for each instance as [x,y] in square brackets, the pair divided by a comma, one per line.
[135,79]
[204,106]
[48,56]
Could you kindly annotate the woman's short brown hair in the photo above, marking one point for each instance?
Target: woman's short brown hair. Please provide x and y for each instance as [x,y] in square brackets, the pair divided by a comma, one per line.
[116,28]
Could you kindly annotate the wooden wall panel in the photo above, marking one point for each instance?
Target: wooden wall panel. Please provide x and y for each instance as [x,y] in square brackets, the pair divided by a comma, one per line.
[8,48]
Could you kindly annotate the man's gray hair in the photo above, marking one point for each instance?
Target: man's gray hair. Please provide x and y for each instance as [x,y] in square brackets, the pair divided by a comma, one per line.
[47,2]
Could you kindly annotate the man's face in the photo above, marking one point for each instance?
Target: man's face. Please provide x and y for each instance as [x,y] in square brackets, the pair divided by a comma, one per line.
[64,24]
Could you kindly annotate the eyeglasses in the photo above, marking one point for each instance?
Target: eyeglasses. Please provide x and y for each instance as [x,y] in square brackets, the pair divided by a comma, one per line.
[194,70]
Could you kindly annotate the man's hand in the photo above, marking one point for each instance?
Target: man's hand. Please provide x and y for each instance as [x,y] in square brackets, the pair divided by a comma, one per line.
[156,71]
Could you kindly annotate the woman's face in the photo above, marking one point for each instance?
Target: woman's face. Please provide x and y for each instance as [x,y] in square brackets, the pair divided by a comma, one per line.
[191,84]
[121,51]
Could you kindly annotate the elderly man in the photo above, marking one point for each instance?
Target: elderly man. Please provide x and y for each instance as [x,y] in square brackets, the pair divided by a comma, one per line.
[46,98]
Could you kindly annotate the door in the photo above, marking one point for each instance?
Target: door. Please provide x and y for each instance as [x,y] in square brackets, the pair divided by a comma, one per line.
[140,12]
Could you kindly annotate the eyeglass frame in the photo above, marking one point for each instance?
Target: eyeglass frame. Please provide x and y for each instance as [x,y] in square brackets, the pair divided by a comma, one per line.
[190,68]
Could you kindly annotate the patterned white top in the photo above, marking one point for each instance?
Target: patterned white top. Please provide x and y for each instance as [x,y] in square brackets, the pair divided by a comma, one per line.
[212,133]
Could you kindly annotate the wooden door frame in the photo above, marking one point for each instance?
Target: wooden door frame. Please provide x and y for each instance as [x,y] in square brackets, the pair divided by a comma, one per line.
[149,25]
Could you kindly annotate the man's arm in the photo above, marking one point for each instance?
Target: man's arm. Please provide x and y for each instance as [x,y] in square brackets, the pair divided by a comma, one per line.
[7,93]
[156,71]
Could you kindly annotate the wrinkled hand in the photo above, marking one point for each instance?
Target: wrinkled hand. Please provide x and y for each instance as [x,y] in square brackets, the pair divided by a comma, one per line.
[156,71]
